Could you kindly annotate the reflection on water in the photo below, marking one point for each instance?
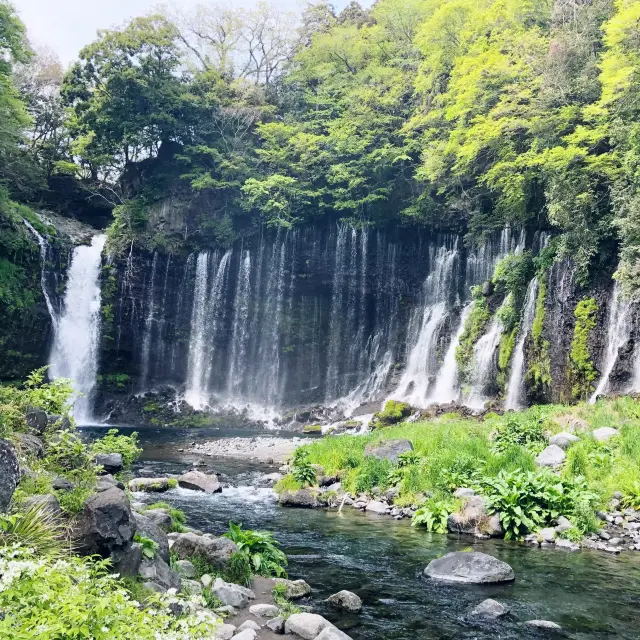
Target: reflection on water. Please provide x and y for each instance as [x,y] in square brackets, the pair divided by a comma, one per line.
[592,595]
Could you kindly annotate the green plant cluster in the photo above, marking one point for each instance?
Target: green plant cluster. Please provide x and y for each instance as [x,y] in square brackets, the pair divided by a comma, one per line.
[474,327]
[582,371]
[301,469]
[126,446]
[393,412]
[261,549]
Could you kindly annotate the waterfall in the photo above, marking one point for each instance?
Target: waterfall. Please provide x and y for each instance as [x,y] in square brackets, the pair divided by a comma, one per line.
[484,360]
[618,333]
[427,321]
[44,250]
[74,354]
[239,343]
[515,388]
[447,389]
[148,325]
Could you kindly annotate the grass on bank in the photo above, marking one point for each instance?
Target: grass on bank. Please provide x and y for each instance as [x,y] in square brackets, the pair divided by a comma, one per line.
[496,456]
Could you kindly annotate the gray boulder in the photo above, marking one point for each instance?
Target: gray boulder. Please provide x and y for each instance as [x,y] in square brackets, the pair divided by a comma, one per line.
[198,481]
[604,433]
[346,600]
[276,624]
[107,481]
[10,475]
[303,498]
[489,609]
[552,456]
[106,524]
[190,587]
[157,570]
[147,528]
[464,492]
[249,624]
[224,632]
[474,519]
[48,503]
[247,634]
[306,625]
[469,568]
[61,423]
[217,551]
[160,516]
[62,484]
[564,440]
[563,525]
[232,594]
[543,624]
[332,633]
[375,506]
[37,420]
[149,485]
[110,462]
[29,445]
[548,534]
[388,450]
[185,568]
[264,610]
[296,589]
[126,562]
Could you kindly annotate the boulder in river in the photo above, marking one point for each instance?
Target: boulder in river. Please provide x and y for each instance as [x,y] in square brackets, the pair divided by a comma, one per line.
[302,498]
[470,567]
[388,449]
[346,600]
[332,633]
[10,475]
[217,551]
[106,523]
[306,625]
[489,609]
[110,462]
[552,456]
[198,481]
[546,625]
[150,485]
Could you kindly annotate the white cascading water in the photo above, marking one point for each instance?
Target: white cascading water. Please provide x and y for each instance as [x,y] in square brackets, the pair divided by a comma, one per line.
[44,250]
[618,334]
[148,324]
[239,342]
[484,362]
[416,380]
[515,388]
[447,388]
[76,343]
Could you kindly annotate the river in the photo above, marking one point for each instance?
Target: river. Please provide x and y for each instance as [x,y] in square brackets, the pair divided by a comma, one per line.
[590,594]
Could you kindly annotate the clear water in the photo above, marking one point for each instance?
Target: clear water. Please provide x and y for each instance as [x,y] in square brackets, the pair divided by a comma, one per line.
[592,595]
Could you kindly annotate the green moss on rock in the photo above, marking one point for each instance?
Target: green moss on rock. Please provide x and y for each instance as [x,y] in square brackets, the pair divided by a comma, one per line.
[582,371]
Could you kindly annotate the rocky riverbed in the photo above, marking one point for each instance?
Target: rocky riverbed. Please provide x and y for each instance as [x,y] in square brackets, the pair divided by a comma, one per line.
[259,449]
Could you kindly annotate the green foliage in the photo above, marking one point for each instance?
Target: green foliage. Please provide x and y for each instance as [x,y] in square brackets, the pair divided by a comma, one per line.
[285,606]
[172,483]
[149,547]
[392,413]
[287,483]
[433,516]
[521,432]
[473,329]
[35,528]
[78,595]
[261,549]
[512,274]
[301,469]
[127,446]
[178,517]
[240,569]
[372,473]
[582,370]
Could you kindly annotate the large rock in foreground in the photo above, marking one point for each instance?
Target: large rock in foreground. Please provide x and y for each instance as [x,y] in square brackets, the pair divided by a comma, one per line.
[469,568]
[198,481]
[388,450]
[110,462]
[232,595]
[217,551]
[346,600]
[106,524]
[147,528]
[9,474]
[306,625]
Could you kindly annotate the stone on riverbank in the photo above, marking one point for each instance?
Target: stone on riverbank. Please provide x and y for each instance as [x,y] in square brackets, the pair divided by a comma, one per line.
[604,433]
[48,503]
[224,632]
[217,551]
[232,594]
[469,568]
[106,524]
[185,568]
[147,528]
[303,499]
[29,445]
[10,475]
[110,462]
[160,517]
[474,519]
[198,481]
[37,420]
[563,440]
[247,634]
[264,610]
[552,456]
[346,600]
[276,625]
[375,506]
[332,633]
[306,625]
[388,449]
[149,485]
[158,571]
[296,589]
[489,609]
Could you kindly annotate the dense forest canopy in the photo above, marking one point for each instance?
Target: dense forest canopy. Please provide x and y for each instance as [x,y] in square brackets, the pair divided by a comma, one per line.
[464,115]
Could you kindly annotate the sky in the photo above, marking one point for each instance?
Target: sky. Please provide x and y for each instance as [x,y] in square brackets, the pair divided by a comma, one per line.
[65,26]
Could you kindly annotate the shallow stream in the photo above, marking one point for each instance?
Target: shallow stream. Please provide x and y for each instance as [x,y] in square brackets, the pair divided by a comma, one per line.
[590,594]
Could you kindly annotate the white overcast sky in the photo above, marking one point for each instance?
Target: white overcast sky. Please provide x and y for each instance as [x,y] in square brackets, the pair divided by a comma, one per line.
[67,25]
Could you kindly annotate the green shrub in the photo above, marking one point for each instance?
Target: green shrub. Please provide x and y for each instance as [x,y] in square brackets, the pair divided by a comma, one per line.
[433,516]
[301,469]
[261,549]
[538,375]
[372,473]
[512,273]
[287,483]
[127,446]
[285,606]
[523,432]
[66,452]
[474,327]
[34,528]
[178,517]
[239,570]
[77,598]
[149,546]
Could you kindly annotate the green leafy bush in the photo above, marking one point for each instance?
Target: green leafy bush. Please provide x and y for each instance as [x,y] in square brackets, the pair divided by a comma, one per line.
[127,446]
[66,452]
[372,473]
[149,546]
[527,433]
[433,516]
[582,370]
[301,468]
[178,517]
[262,550]
[59,599]
[34,528]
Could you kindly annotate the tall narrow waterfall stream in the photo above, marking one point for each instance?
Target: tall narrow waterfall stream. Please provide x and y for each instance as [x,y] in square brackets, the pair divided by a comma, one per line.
[74,354]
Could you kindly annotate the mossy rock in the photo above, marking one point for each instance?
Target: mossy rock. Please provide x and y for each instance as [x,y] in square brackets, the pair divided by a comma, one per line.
[392,413]
[312,428]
